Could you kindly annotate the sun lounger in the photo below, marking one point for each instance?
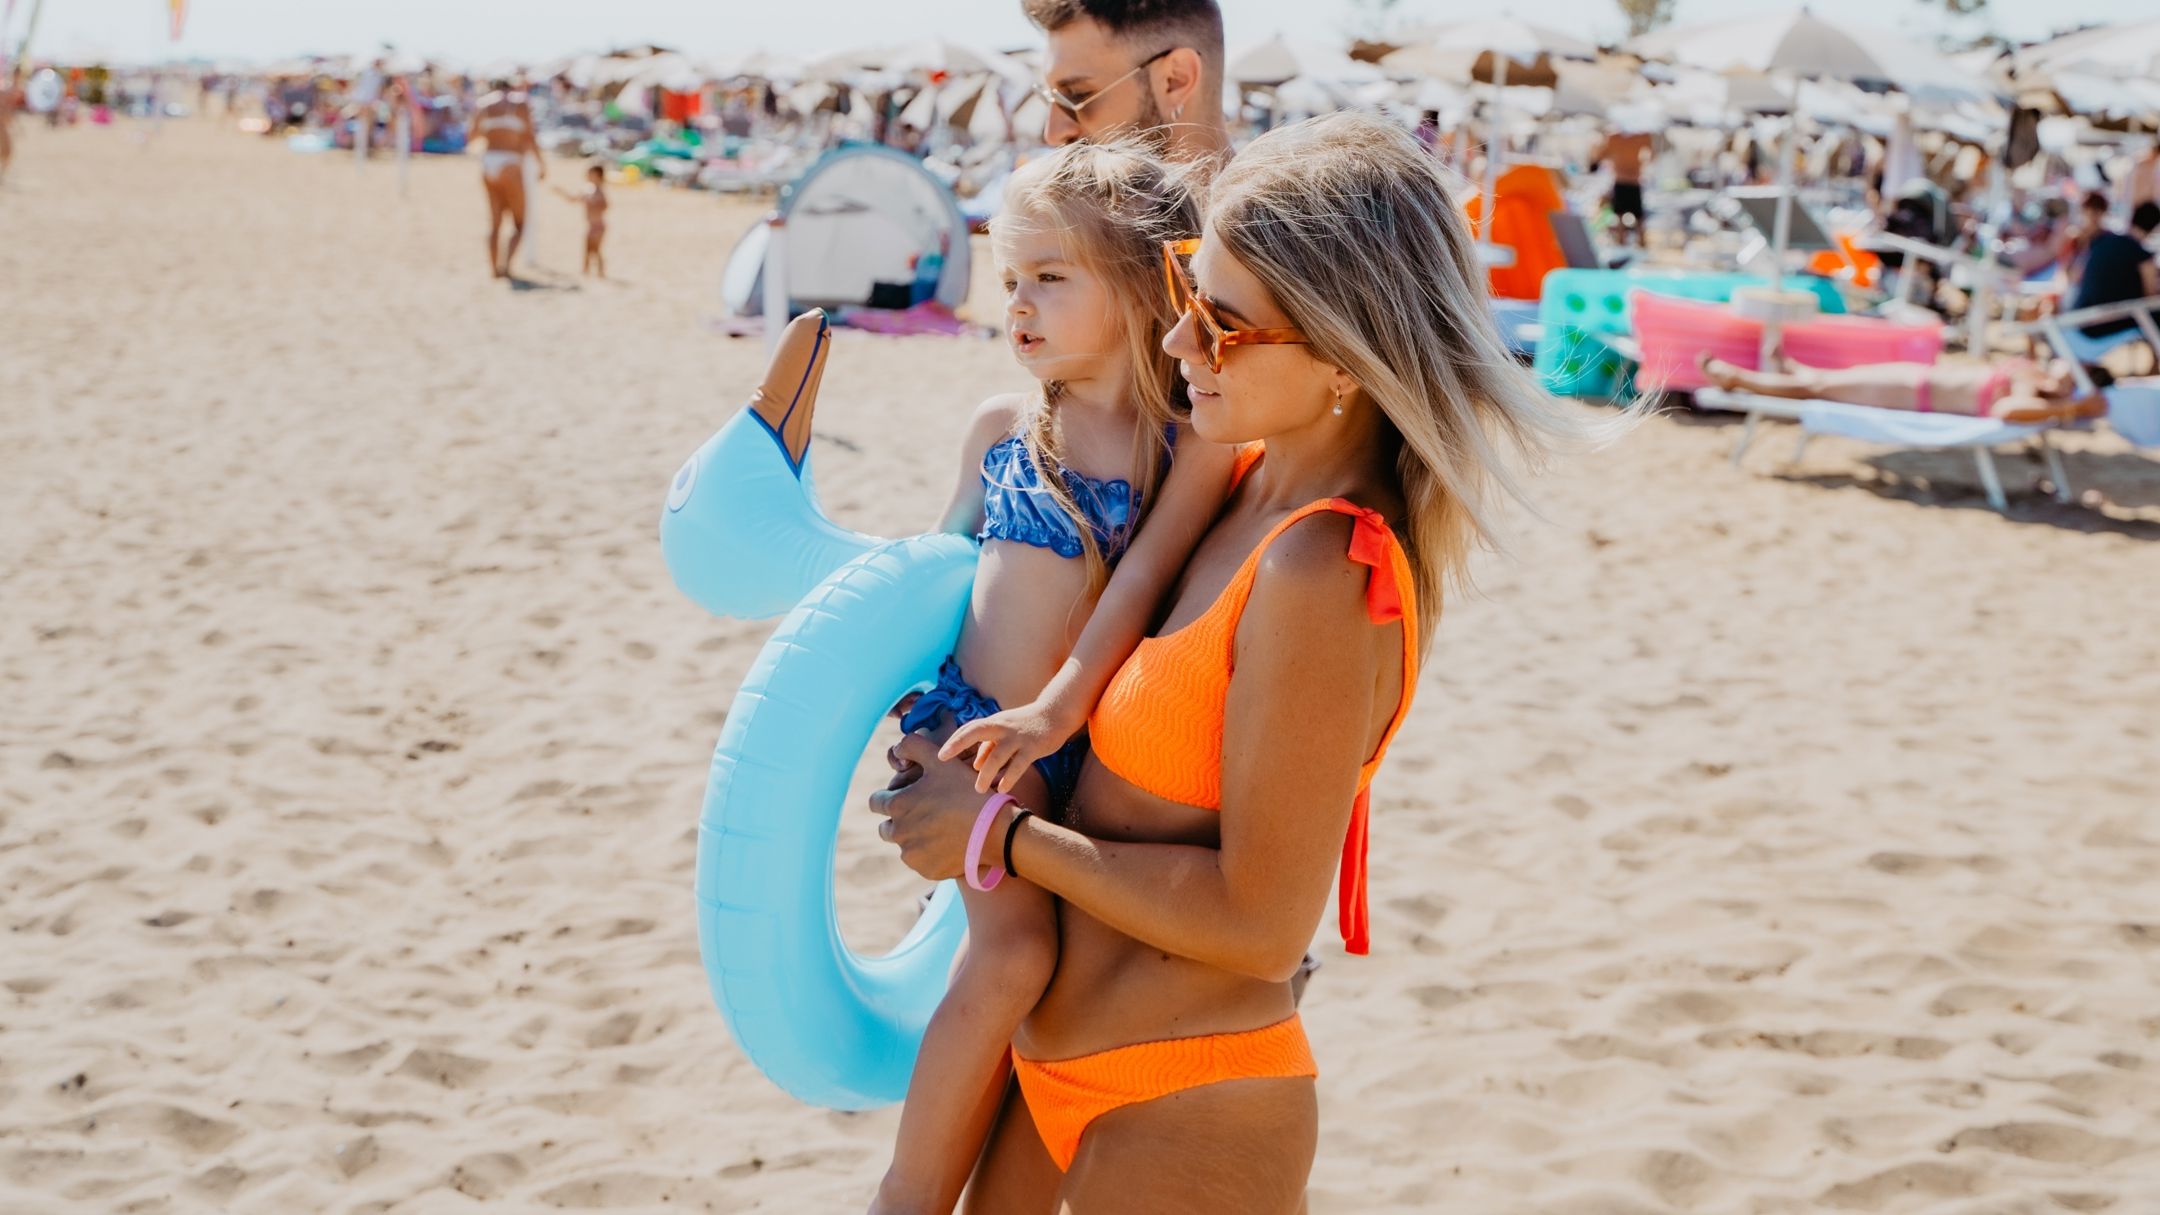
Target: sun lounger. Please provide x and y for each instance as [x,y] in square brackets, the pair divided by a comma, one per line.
[1894,428]
[2065,331]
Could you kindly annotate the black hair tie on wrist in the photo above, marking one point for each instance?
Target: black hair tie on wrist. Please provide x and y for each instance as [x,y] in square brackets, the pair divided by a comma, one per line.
[1010,828]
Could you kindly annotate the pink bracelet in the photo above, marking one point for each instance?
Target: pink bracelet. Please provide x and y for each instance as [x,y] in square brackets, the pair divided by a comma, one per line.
[981,834]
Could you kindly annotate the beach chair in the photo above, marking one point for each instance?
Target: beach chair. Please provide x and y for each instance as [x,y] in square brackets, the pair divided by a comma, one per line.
[2065,332]
[1896,428]
[1803,232]
[1576,244]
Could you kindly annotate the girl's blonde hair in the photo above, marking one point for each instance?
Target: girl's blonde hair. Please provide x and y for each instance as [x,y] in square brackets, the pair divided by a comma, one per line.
[1112,205]
[1347,222]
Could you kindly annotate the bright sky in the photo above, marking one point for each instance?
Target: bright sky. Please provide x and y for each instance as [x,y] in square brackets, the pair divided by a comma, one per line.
[480,30]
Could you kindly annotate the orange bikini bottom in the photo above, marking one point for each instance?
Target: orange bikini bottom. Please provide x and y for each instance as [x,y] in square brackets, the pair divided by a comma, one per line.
[1065,1095]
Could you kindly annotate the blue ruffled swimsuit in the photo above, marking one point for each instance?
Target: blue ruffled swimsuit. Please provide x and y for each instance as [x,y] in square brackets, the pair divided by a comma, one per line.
[1017,507]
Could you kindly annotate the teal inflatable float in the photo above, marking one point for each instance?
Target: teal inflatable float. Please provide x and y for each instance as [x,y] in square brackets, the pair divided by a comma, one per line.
[1573,305]
[868,620]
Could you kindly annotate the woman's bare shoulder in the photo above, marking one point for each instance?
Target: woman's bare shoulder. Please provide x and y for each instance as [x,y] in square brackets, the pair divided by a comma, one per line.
[1307,571]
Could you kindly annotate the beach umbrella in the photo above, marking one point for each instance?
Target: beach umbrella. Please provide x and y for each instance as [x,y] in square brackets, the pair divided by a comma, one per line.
[669,70]
[2131,50]
[1798,45]
[582,71]
[929,58]
[1279,60]
[2117,101]
[1306,95]
[944,56]
[762,65]
[1498,45]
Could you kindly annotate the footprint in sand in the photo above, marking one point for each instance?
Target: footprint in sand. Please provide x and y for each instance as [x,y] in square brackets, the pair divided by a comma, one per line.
[2048,1141]
[1932,1179]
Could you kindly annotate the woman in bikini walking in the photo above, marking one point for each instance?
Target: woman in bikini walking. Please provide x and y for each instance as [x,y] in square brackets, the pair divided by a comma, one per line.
[1334,325]
[503,120]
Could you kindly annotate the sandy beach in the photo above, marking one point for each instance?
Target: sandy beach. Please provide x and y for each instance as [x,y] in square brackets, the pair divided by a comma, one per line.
[1763,841]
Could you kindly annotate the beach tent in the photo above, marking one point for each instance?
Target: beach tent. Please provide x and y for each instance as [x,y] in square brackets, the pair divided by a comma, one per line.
[858,217]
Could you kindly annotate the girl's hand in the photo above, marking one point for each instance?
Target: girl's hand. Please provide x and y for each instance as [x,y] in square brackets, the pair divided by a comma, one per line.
[1006,743]
[930,817]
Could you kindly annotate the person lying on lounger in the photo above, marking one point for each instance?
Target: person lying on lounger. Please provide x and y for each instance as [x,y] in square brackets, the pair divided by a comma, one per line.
[2014,390]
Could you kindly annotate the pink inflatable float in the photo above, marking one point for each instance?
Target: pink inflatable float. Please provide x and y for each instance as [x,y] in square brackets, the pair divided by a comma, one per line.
[1674,332]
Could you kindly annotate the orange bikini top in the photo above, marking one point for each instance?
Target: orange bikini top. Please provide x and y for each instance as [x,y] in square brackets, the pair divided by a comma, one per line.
[1159,724]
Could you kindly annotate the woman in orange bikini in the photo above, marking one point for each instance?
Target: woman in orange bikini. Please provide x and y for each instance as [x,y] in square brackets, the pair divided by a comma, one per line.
[1335,324]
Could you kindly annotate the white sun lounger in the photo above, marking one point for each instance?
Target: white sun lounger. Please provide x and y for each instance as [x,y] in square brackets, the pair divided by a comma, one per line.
[1894,428]
[2064,332]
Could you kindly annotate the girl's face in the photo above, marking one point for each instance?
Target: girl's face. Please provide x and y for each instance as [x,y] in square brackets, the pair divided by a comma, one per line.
[1261,390]
[1059,316]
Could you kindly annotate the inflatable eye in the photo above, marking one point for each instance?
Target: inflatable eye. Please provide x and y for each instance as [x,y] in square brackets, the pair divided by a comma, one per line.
[685,480]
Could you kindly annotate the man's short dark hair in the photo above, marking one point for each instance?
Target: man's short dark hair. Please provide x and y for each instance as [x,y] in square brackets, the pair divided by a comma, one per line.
[1190,23]
[2146,217]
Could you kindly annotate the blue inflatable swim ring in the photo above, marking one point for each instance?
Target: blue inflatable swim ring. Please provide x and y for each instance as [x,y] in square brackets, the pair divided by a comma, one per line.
[868,620]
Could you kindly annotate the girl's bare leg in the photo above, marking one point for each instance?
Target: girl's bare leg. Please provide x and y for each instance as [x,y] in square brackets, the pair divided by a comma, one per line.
[1016,1175]
[963,1068]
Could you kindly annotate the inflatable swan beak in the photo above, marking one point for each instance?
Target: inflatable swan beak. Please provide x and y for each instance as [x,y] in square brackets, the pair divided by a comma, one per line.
[743,533]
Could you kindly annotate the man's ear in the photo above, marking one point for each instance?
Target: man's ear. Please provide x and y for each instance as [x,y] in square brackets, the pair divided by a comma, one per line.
[1178,76]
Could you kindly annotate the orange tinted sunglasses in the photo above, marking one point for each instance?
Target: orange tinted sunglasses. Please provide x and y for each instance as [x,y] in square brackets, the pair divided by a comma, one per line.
[1215,336]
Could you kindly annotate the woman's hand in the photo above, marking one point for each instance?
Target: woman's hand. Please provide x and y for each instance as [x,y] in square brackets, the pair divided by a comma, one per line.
[1005,744]
[929,817]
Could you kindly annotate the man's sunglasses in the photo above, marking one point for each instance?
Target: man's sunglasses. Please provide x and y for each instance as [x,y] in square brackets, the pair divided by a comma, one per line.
[1072,108]
[1215,336]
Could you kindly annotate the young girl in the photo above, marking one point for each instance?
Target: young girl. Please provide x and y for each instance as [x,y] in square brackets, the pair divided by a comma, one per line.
[594,199]
[1056,483]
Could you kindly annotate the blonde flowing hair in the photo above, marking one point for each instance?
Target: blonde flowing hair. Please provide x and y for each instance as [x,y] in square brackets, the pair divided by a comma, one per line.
[1347,222]
[1112,205]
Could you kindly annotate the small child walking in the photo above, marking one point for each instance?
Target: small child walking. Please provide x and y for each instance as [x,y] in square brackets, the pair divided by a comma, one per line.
[594,199]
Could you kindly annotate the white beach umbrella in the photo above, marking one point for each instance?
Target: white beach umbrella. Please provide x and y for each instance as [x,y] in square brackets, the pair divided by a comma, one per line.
[1306,95]
[669,70]
[957,59]
[1279,59]
[2109,98]
[581,70]
[1438,95]
[498,69]
[1522,41]
[907,59]
[1506,41]
[762,65]
[2131,50]
[1799,45]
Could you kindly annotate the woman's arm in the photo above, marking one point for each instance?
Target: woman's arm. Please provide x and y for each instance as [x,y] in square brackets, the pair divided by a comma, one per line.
[1189,500]
[1298,724]
[993,420]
